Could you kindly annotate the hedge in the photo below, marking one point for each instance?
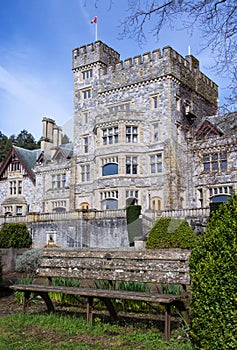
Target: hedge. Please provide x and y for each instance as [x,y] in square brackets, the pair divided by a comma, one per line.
[15,236]
[171,233]
[213,270]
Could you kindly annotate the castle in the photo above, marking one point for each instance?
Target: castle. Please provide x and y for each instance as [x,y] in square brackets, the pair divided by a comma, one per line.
[146,131]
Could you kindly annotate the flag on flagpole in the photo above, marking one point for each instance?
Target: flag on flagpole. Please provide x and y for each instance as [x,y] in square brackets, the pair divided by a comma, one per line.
[94,21]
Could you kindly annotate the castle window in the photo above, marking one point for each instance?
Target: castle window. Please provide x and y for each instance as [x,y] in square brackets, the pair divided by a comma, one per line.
[155,101]
[18,210]
[156,203]
[87,93]
[8,210]
[59,206]
[58,181]
[15,166]
[131,165]
[120,107]
[85,173]
[215,162]
[213,191]
[131,134]
[131,197]
[110,169]
[110,135]
[156,163]
[155,132]
[15,187]
[19,187]
[87,74]
[109,199]
[86,144]
[85,118]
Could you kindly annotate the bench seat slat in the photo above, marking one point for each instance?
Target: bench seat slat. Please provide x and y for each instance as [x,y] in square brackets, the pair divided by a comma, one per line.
[101,293]
[122,275]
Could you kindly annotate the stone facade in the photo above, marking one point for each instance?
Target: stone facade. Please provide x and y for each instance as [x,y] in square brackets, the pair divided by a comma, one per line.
[131,121]
[146,131]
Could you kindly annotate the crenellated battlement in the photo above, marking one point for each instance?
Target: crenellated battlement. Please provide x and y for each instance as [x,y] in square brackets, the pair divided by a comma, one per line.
[94,52]
[157,58]
[115,73]
[158,64]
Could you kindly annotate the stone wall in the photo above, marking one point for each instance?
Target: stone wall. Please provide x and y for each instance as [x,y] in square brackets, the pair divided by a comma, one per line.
[8,258]
[93,233]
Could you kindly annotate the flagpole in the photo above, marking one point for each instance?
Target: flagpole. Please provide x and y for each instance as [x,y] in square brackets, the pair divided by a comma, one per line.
[94,21]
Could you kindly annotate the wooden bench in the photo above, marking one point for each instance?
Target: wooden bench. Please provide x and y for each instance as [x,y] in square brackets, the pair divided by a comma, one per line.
[155,267]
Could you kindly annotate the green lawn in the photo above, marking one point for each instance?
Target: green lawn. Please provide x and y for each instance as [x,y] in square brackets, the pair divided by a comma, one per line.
[68,332]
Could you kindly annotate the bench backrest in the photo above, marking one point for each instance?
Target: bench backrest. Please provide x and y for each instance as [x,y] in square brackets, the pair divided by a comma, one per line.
[152,266]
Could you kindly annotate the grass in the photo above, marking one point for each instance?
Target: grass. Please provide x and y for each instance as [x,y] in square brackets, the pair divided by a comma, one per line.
[69,332]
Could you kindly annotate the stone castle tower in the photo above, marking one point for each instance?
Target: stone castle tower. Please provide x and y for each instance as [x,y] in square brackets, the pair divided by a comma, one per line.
[132,119]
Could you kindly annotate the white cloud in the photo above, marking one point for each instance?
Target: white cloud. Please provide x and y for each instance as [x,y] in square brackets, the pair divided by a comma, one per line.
[25,99]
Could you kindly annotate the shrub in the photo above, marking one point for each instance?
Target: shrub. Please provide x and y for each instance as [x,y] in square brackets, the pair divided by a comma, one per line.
[171,233]
[29,261]
[15,236]
[213,271]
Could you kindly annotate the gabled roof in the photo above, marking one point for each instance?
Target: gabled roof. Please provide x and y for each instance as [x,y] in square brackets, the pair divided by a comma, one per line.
[217,125]
[64,151]
[26,157]
[207,130]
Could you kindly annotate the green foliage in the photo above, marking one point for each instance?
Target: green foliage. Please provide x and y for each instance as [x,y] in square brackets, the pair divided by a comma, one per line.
[132,213]
[214,279]
[29,279]
[134,224]
[123,304]
[67,282]
[24,139]
[175,289]
[171,233]
[5,145]
[15,236]
[29,261]
[137,305]
[71,332]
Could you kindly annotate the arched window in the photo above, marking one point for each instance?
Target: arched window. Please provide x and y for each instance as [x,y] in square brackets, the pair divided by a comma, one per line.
[219,199]
[84,205]
[110,169]
[59,210]
[110,203]
[156,203]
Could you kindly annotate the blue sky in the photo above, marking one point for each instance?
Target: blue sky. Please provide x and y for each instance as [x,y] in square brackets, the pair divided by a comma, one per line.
[36,42]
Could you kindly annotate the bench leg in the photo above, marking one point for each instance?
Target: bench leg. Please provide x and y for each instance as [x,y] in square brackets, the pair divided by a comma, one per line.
[167,322]
[43,295]
[183,310]
[47,301]
[108,303]
[89,308]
